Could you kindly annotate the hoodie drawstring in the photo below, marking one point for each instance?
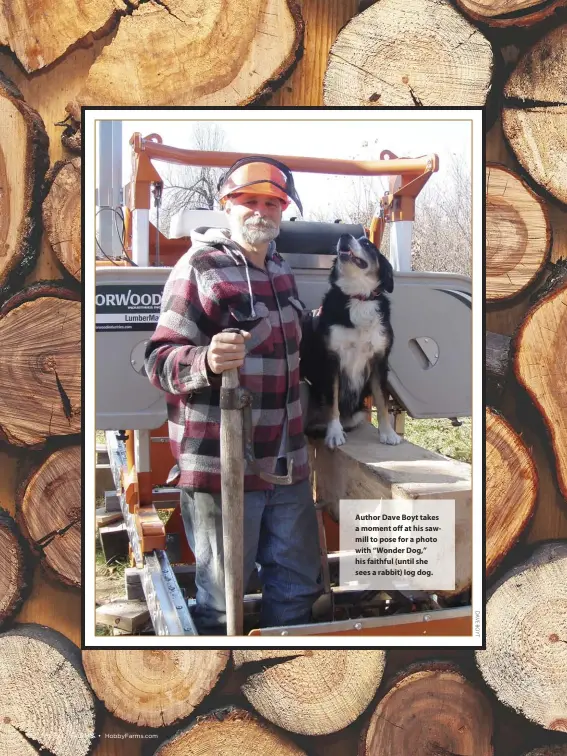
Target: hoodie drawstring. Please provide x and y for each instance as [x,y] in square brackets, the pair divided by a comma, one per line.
[252,310]
[216,236]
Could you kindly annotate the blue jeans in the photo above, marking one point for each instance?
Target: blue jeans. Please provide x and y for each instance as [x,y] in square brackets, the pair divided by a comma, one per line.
[280,535]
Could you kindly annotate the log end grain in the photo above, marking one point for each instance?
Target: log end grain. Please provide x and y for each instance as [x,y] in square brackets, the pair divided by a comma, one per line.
[540,356]
[44,694]
[153,688]
[518,234]
[42,342]
[16,570]
[230,731]
[316,694]
[429,709]
[203,56]
[22,170]
[511,488]
[62,213]
[525,661]
[380,58]
[534,116]
[49,512]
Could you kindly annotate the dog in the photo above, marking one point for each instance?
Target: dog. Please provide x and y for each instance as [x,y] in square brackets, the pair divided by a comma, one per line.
[345,347]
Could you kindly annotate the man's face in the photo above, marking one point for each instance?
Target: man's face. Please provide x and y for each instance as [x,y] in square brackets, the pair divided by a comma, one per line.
[256,217]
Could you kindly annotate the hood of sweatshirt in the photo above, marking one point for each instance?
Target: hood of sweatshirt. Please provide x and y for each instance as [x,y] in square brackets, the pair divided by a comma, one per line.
[203,237]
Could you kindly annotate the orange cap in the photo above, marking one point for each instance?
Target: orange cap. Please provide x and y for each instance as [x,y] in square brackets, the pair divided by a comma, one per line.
[256,178]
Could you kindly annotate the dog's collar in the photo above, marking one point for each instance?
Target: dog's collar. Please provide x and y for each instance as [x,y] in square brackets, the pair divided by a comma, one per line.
[373,295]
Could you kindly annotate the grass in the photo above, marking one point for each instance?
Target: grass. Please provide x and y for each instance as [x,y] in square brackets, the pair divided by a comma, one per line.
[439,435]
[115,569]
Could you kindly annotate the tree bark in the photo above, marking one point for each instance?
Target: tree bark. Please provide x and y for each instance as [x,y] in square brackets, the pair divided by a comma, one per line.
[534,115]
[62,214]
[316,694]
[540,357]
[515,13]
[23,162]
[511,488]
[416,53]
[550,750]
[525,661]
[71,137]
[429,709]
[40,384]
[229,731]
[497,361]
[16,571]
[41,32]
[44,695]
[153,688]
[518,234]
[48,506]
[202,54]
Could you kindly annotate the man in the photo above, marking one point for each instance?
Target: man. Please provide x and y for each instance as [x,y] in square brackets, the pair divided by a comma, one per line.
[235,278]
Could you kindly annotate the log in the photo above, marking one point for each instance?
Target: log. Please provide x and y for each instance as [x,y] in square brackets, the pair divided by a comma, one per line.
[534,113]
[497,361]
[153,688]
[16,571]
[40,33]
[62,214]
[202,54]
[429,709]
[525,661]
[511,488]
[502,13]
[40,332]
[230,732]
[45,699]
[24,160]
[540,356]
[48,511]
[518,234]
[316,694]
[416,53]
[232,466]
[244,656]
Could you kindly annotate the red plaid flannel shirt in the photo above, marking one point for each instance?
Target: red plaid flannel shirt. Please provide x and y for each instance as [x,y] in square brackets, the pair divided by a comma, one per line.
[212,287]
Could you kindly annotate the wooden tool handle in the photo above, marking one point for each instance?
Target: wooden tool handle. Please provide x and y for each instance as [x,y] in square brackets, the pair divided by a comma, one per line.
[232,490]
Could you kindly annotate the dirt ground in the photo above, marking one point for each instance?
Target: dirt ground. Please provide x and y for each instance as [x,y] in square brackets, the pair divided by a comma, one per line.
[109,585]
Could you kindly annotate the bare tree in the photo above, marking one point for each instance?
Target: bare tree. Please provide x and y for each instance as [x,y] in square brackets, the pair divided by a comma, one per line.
[442,239]
[190,186]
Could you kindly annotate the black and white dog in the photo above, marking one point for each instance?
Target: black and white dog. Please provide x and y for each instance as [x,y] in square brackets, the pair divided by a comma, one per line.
[344,350]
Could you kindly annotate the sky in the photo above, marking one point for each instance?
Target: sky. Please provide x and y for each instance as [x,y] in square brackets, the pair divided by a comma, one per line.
[331,139]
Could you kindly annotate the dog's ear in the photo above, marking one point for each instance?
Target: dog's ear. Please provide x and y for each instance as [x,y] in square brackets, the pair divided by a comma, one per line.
[386,273]
[334,273]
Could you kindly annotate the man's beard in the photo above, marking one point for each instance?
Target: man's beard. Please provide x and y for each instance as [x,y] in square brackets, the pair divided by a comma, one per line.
[259,230]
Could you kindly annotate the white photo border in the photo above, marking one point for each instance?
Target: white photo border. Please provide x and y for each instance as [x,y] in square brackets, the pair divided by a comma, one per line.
[90,118]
